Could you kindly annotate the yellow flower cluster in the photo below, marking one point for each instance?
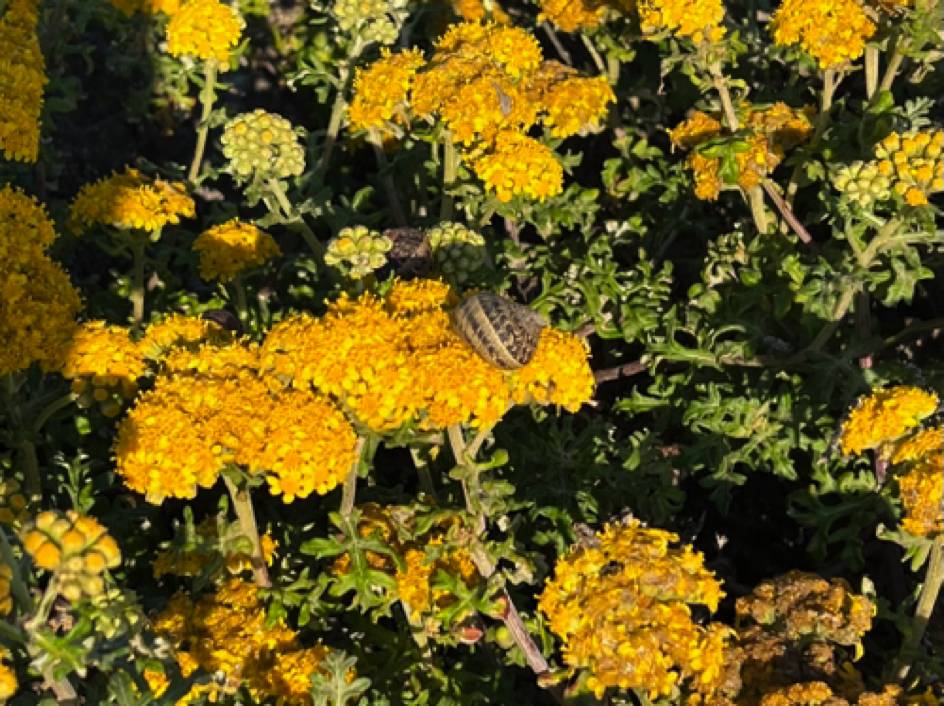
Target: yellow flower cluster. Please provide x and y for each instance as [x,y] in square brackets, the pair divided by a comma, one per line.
[698,19]
[130,200]
[206,29]
[37,302]
[789,626]
[620,604]
[6,600]
[913,163]
[22,78]
[772,131]
[12,503]
[398,359]
[8,682]
[474,11]
[104,356]
[229,249]
[180,331]
[832,31]
[924,443]
[76,547]
[192,562]
[226,632]
[423,556]
[210,408]
[884,416]
[922,493]
[150,7]
[571,15]
[489,84]
[818,692]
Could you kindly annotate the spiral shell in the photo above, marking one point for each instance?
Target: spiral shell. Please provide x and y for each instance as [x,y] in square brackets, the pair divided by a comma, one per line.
[502,332]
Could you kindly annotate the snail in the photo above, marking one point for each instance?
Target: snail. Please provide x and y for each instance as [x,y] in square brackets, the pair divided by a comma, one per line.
[502,332]
[411,255]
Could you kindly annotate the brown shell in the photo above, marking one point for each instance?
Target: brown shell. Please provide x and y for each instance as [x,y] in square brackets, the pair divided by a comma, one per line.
[502,332]
[411,255]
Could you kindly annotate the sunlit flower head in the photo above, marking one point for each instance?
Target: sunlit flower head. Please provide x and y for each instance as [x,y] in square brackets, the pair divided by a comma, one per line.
[921,493]
[262,145]
[130,200]
[558,374]
[574,103]
[922,444]
[913,164]
[884,416]
[205,29]
[474,11]
[571,15]
[698,19]
[227,250]
[831,31]
[620,604]
[104,355]
[179,330]
[151,7]
[381,89]
[519,164]
[13,503]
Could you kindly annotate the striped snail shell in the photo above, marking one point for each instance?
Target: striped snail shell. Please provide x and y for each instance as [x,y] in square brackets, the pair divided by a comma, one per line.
[502,332]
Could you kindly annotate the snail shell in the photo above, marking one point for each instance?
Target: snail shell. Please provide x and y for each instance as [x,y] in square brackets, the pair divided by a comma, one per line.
[411,255]
[502,332]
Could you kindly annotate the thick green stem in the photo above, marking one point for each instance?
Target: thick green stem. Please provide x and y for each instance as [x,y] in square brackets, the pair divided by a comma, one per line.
[393,199]
[350,482]
[891,71]
[755,199]
[727,104]
[450,173]
[871,71]
[929,593]
[207,96]
[239,301]
[138,244]
[242,504]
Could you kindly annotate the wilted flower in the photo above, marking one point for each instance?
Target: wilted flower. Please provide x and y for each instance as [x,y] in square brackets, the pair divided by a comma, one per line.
[205,29]
[832,31]
[884,416]
[130,200]
[233,247]
[620,604]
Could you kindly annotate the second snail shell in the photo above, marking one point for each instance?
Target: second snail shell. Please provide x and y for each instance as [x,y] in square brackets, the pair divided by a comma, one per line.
[504,333]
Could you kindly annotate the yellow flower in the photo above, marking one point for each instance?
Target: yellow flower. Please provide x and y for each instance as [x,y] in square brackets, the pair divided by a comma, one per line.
[383,87]
[558,374]
[13,503]
[227,632]
[620,604]
[832,31]
[884,416]
[914,161]
[152,7]
[229,249]
[22,78]
[519,164]
[206,29]
[130,200]
[515,51]
[8,682]
[696,129]
[921,492]
[921,444]
[571,15]
[574,104]
[191,563]
[698,19]
[6,600]
[104,354]
[474,11]
[38,303]
[707,179]
[180,331]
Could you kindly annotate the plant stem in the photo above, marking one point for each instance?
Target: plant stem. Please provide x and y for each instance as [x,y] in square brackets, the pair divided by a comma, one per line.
[552,35]
[239,301]
[242,504]
[350,482]
[789,217]
[297,222]
[373,136]
[483,563]
[727,105]
[422,471]
[755,199]
[597,59]
[339,106]
[450,172]
[929,593]
[891,71]
[138,244]
[871,71]
[51,409]
[207,96]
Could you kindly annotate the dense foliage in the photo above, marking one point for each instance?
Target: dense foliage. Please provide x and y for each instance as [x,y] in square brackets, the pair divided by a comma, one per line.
[428,352]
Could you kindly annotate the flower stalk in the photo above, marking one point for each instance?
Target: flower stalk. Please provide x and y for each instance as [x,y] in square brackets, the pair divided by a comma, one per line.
[138,245]
[207,96]
[242,504]
[926,601]
[450,173]
[350,481]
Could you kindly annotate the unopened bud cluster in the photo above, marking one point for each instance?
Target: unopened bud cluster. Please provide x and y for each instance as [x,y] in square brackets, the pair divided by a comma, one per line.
[263,145]
[77,548]
[861,182]
[457,251]
[374,20]
[358,250]
[115,613]
[12,503]
[908,165]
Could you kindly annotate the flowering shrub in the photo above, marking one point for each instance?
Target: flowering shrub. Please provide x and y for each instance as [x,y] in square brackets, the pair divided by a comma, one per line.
[391,352]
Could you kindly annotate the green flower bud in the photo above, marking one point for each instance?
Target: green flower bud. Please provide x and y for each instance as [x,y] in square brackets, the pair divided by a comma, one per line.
[263,145]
